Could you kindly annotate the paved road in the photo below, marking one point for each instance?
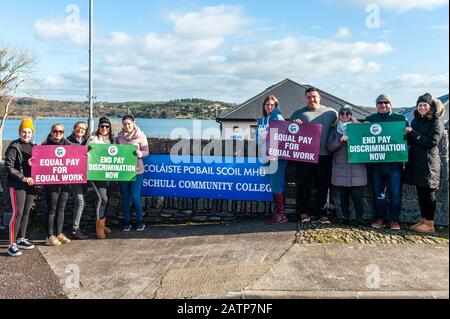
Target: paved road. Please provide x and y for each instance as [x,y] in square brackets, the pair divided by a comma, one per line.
[248,259]
[27,277]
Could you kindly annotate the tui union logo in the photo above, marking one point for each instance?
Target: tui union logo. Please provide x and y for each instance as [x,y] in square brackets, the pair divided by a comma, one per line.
[60,152]
[113,150]
[294,128]
[376,129]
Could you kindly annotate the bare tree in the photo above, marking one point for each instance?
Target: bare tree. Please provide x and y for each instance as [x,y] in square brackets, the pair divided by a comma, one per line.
[16,67]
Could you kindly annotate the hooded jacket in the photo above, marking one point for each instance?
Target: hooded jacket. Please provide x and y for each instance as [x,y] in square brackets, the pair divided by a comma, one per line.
[424,166]
[263,129]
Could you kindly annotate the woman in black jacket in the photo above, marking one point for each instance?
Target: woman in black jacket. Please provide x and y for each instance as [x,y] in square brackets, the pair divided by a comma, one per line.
[21,187]
[56,195]
[424,166]
[79,136]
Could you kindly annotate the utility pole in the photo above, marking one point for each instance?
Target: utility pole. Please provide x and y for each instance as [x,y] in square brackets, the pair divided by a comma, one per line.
[91,64]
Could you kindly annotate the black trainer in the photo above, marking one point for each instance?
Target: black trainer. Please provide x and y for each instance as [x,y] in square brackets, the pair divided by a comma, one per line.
[78,234]
[14,251]
[24,244]
[140,227]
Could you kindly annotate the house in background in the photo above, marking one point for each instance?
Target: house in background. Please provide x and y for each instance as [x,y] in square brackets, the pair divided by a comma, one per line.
[241,122]
[409,112]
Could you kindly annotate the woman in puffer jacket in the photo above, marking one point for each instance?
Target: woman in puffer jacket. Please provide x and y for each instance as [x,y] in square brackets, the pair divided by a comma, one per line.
[424,165]
[132,135]
[349,179]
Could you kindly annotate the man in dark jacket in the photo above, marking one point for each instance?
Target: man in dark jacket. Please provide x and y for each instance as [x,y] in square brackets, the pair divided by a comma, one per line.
[386,175]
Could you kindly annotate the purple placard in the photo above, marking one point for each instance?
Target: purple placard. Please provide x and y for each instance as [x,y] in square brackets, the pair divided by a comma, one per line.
[294,142]
[53,164]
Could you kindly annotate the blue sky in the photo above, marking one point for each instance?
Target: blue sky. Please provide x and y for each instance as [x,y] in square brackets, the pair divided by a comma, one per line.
[233,50]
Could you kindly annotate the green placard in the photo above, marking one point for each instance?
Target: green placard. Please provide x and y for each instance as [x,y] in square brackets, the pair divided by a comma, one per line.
[112,162]
[377,142]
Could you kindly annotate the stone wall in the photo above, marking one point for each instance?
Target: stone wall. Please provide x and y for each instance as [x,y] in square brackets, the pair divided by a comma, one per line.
[182,210]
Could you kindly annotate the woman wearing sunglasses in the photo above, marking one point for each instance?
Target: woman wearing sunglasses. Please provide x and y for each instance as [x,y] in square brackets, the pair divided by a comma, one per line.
[56,195]
[349,179]
[132,135]
[103,135]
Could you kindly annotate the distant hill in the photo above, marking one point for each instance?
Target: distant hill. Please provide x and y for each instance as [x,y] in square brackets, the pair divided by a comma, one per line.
[185,108]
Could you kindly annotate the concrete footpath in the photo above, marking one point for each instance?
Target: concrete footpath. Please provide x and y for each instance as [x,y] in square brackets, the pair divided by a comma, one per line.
[244,260]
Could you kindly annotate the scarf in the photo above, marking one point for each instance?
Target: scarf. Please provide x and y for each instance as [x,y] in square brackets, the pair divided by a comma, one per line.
[341,127]
[129,136]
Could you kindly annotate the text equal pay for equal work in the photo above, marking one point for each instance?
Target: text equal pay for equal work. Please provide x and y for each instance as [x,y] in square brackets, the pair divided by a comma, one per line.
[53,164]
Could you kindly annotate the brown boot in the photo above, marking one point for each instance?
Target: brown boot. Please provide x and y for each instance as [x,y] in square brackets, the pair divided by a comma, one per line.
[426,228]
[279,216]
[107,230]
[413,227]
[99,229]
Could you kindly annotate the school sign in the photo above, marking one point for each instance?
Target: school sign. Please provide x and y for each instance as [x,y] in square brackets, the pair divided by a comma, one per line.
[377,142]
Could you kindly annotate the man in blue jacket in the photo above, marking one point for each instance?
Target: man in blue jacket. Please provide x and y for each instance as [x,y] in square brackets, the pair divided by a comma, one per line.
[386,175]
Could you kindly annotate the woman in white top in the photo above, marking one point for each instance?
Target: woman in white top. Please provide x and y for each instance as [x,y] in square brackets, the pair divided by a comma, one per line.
[104,135]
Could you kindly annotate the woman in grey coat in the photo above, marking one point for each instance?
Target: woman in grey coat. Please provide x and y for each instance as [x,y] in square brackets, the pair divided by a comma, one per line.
[349,179]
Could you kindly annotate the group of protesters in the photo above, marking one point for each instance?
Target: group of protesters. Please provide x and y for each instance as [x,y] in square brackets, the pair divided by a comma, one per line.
[18,162]
[350,179]
[332,169]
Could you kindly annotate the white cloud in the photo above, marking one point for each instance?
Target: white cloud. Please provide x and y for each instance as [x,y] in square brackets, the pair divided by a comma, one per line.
[343,33]
[198,59]
[210,22]
[57,29]
[405,5]
[420,81]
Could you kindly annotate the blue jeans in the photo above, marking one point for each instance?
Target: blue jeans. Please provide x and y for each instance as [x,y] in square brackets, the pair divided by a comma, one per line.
[132,191]
[386,175]
[276,179]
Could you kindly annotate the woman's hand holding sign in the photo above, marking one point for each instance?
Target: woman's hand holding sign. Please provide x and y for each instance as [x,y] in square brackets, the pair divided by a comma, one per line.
[28,180]
[139,153]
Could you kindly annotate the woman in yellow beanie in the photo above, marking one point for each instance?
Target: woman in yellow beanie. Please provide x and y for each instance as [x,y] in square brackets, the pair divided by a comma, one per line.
[21,187]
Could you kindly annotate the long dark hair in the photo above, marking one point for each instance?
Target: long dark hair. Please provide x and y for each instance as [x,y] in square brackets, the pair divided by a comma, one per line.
[267,99]
[110,135]
[430,114]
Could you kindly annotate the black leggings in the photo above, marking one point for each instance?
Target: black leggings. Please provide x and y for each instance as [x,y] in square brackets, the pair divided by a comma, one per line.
[427,202]
[21,202]
[56,203]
